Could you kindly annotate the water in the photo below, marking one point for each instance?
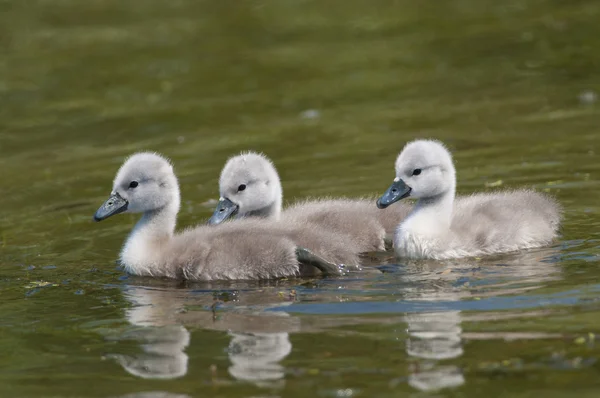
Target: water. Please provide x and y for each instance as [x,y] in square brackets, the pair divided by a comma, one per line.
[331,91]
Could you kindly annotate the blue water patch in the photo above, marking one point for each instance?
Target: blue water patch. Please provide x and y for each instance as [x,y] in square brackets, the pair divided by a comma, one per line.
[567,298]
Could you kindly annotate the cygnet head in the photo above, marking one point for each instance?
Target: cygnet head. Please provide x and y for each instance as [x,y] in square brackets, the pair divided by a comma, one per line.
[145,182]
[424,170]
[249,186]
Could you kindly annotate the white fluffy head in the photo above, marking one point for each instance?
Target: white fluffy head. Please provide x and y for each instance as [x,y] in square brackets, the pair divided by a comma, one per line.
[426,167]
[250,180]
[147,182]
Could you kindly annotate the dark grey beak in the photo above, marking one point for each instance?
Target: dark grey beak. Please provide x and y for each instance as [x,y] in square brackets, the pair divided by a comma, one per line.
[115,204]
[398,190]
[225,209]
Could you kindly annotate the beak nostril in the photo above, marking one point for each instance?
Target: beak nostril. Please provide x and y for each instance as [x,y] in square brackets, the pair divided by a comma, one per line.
[221,210]
[394,190]
[110,203]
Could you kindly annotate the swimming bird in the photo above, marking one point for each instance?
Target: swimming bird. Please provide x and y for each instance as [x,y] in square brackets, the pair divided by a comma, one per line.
[146,183]
[250,186]
[439,227]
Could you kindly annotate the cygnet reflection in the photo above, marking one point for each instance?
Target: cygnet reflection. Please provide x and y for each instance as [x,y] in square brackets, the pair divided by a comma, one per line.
[435,337]
[259,339]
[163,343]
[162,356]
[255,357]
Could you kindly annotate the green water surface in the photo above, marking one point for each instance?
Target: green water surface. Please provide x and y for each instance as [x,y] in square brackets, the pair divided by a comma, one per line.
[330,90]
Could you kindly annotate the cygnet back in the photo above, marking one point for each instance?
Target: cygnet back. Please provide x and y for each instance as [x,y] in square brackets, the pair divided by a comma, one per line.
[250,186]
[505,221]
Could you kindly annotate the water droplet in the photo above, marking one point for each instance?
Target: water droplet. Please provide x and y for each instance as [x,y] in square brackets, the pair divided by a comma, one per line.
[310,114]
[588,97]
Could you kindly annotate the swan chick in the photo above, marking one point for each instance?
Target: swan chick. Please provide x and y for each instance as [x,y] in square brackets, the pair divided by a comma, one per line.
[146,184]
[249,186]
[439,227]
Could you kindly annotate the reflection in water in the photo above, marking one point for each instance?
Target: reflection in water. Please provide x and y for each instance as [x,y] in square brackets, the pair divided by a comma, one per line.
[163,355]
[259,341]
[435,337]
[163,343]
[255,357]
[255,353]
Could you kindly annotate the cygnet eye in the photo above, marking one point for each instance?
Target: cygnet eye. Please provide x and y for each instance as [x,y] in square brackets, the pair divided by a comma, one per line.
[241,187]
[133,184]
[416,172]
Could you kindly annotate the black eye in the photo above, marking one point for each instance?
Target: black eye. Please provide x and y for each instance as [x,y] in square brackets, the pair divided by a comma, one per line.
[133,184]
[416,172]
[241,187]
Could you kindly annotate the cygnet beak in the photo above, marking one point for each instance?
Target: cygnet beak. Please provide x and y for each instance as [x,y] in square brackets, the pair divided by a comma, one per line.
[225,209]
[398,190]
[115,204]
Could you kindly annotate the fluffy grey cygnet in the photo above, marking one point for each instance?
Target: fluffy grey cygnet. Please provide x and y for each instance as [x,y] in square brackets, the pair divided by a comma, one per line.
[486,223]
[249,186]
[146,183]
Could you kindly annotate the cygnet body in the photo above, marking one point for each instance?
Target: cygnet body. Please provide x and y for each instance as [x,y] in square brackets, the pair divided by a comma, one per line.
[480,224]
[249,186]
[146,183]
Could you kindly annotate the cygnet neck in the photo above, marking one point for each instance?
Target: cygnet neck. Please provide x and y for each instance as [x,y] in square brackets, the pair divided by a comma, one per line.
[437,209]
[158,223]
[154,229]
[273,211]
[433,215]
